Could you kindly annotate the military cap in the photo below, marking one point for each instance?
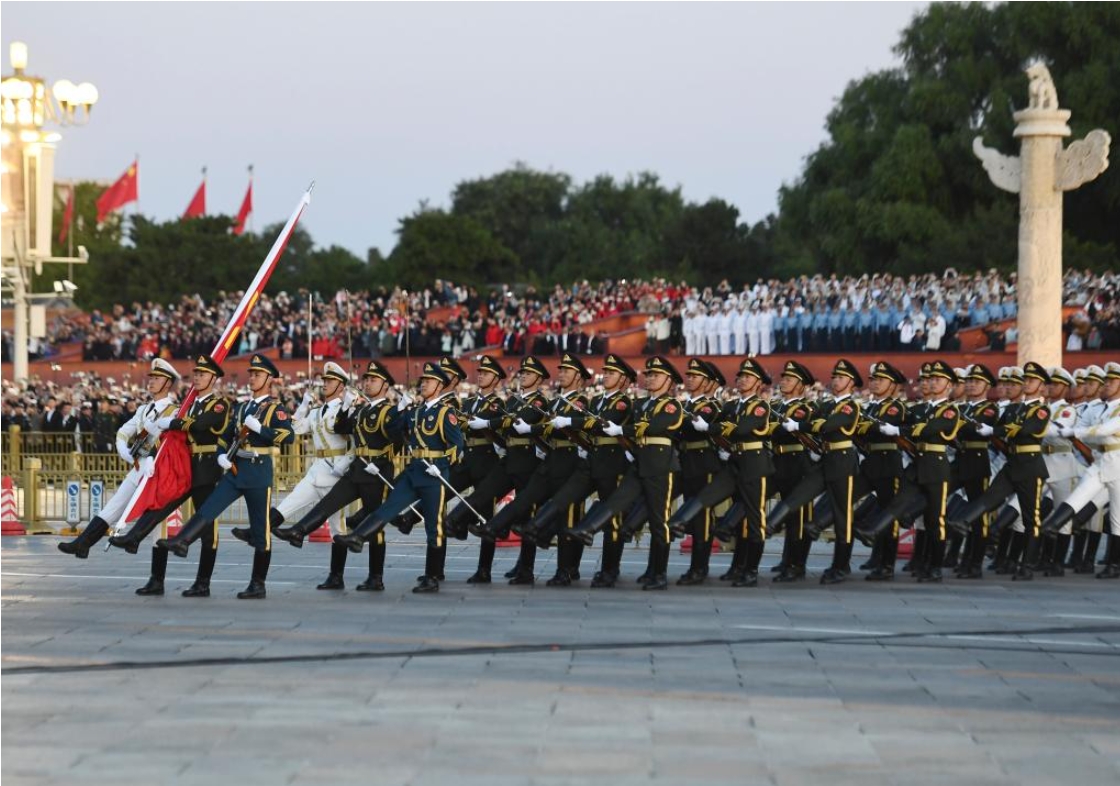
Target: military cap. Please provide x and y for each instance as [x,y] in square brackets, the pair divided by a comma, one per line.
[1112,370]
[715,374]
[797,370]
[939,368]
[846,368]
[924,371]
[1036,371]
[433,371]
[1095,372]
[208,364]
[699,367]
[615,363]
[1014,375]
[332,370]
[378,371]
[161,368]
[1059,376]
[662,366]
[451,367]
[575,364]
[884,370]
[1004,373]
[531,363]
[264,364]
[487,363]
[751,367]
[1079,375]
[981,372]
[960,372]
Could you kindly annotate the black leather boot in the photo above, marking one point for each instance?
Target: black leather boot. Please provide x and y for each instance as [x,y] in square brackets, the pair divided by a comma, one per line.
[159,571]
[201,587]
[256,588]
[365,531]
[131,540]
[81,545]
[335,579]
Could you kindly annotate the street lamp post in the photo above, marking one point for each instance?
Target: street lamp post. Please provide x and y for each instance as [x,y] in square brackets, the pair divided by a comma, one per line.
[28,173]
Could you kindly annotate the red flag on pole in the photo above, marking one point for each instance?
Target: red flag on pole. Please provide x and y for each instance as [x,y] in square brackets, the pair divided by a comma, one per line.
[67,216]
[197,207]
[246,209]
[169,480]
[125,190]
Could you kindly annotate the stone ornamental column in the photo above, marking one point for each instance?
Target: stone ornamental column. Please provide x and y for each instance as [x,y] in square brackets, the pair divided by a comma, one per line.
[1039,175]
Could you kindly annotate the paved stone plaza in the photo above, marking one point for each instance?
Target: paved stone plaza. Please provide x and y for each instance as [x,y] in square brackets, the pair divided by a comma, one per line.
[969,682]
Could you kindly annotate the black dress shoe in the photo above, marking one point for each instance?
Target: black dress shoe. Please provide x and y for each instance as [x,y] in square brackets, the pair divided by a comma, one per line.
[289,535]
[748,579]
[373,583]
[178,549]
[405,527]
[509,574]
[932,576]
[642,579]
[658,582]
[241,533]
[480,530]
[125,542]
[334,582]
[428,584]
[197,590]
[76,547]
[832,576]
[880,574]
[523,577]
[789,575]
[561,579]
[440,577]
[691,578]
[603,580]
[480,577]
[350,541]
[255,591]
[153,587]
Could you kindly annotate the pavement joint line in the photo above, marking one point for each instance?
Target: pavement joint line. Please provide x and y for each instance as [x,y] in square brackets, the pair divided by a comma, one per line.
[910,639]
[838,631]
[1029,640]
[119,577]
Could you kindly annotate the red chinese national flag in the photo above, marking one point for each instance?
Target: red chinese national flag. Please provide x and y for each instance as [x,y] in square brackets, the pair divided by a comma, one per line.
[243,213]
[67,217]
[125,190]
[197,207]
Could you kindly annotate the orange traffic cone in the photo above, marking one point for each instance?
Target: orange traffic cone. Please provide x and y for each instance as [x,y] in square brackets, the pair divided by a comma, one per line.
[512,539]
[9,516]
[174,522]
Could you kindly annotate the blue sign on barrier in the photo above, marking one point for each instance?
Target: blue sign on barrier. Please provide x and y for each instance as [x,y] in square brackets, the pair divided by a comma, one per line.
[73,501]
[96,497]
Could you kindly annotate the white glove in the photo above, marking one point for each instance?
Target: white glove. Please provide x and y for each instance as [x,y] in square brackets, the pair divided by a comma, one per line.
[224,462]
[152,427]
[791,425]
[477,424]
[889,429]
[305,404]
[433,470]
[630,457]
[123,452]
[348,398]
[373,469]
[561,421]
[163,424]
[581,453]
[540,454]
[403,403]
[700,424]
[724,455]
[148,466]
[985,430]
[1067,431]
[500,451]
[612,430]
[521,427]
[252,424]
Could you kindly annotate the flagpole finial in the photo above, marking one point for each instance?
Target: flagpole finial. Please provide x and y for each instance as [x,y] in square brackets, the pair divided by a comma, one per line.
[311,187]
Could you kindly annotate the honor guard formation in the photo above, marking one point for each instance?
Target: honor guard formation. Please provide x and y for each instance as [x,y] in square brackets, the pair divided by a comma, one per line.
[1013,474]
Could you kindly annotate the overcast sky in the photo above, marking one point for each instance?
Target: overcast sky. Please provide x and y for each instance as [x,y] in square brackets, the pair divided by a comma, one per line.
[385,105]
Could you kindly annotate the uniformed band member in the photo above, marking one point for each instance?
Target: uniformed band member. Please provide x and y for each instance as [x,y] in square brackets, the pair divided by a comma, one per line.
[974,463]
[434,443]
[137,441]
[367,478]
[836,427]
[792,464]
[257,428]
[204,424]
[882,466]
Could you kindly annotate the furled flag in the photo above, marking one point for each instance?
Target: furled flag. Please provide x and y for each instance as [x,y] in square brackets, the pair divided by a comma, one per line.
[197,207]
[67,216]
[125,190]
[246,207]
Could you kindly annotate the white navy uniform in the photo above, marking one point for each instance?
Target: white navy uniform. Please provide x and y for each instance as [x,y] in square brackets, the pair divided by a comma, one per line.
[136,429]
[332,458]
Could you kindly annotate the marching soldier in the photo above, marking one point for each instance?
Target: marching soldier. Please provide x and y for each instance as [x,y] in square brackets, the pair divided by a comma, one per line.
[519,462]
[367,478]
[840,462]
[1062,468]
[882,466]
[602,471]
[257,428]
[434,444]
[974,464]
[560,463]
[332,461]
[653,429]
[136,443]
[1024,473]
[204,424]
[792,463]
